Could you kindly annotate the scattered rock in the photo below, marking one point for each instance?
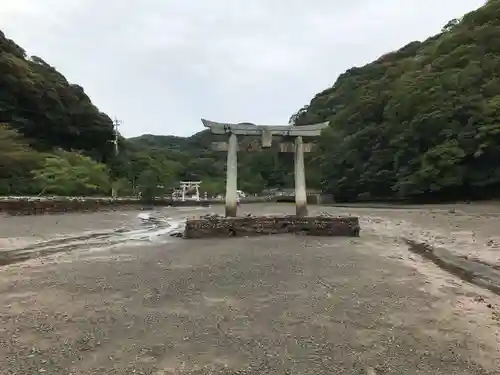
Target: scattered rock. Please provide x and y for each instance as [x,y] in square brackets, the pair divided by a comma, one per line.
[492,243]
[496,316]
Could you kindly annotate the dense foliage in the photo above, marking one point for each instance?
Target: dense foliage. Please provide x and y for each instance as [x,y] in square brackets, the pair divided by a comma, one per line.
[174,159]
[421,121]
[26,171]
[41,113]
[37,101]
[418,122]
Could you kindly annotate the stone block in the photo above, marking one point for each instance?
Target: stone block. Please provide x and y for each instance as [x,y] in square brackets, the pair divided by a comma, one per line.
[218,226]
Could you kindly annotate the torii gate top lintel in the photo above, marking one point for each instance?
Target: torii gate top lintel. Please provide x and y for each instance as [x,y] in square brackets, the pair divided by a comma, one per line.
[248,128]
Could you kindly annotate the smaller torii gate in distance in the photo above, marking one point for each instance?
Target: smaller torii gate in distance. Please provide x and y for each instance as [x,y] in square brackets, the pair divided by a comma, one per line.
[266,133]
[187,185]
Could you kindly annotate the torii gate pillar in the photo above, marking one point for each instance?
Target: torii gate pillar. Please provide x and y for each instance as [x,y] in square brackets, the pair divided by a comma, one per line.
[300,179]
[232,176]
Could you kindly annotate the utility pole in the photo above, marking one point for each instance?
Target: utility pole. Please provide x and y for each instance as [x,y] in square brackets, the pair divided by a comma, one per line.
[116,124]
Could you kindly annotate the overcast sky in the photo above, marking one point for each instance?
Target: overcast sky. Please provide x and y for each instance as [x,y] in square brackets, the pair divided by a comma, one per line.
[161,65]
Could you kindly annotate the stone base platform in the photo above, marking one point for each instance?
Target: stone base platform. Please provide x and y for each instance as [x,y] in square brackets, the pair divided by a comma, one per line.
[210,226]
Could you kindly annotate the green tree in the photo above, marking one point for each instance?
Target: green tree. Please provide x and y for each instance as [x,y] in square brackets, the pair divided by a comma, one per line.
[17,162]
[72,174]
[149,185]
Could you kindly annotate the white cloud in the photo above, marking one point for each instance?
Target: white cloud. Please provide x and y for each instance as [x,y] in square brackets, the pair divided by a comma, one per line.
[160,65]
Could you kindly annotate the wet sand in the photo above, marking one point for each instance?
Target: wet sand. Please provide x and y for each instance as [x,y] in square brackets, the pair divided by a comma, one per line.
[20,231]
[270,305]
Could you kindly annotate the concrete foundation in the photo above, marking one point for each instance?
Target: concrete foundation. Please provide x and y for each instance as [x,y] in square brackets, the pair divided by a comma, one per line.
[219,226]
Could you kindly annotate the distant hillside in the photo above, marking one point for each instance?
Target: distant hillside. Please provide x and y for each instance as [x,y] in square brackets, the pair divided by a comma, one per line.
[154,142]
[170,159]
[192,158]
[421,121]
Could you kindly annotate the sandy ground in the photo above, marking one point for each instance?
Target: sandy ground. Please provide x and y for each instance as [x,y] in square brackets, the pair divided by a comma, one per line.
[274,305]
[19,231]
[467,230]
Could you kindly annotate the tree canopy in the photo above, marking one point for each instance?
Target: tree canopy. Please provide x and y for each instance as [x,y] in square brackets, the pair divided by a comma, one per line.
[418,122]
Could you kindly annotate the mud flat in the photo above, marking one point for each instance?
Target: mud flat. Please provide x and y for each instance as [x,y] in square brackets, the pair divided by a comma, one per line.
[260,305]
[257,305]
[218,226]
[33,236]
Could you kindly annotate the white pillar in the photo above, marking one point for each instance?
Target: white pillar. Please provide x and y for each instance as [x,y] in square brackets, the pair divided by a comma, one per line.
[300,179]
[232,176]
[183,192]
[197,192]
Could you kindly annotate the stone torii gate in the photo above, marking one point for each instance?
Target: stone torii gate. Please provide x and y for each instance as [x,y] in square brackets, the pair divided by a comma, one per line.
[266,133]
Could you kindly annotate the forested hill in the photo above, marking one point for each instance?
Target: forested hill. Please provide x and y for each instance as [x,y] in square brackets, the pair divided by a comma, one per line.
[54,140]
[418,122]
[42,118]
[421,121]
[38,101]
